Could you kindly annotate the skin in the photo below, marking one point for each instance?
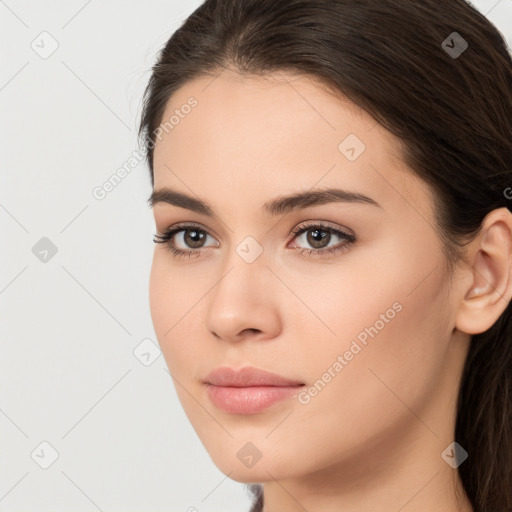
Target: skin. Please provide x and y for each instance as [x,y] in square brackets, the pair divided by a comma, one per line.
[372,438]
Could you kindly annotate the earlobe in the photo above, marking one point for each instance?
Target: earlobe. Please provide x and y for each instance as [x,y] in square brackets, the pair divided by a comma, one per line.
[490,287]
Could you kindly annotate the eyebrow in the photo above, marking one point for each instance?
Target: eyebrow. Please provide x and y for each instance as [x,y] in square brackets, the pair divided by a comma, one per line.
[277,206]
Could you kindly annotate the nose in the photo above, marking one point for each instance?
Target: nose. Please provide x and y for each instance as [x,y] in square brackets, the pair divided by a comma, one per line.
[244,302]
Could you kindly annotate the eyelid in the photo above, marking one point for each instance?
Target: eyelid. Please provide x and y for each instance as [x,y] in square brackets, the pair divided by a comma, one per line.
[188,225]
[324,224]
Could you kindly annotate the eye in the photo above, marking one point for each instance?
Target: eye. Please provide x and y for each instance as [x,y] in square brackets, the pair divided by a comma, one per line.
[192,239]
[189,235]
[319,236]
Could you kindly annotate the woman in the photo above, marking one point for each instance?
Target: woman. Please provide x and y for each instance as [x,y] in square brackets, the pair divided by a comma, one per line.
[331,282]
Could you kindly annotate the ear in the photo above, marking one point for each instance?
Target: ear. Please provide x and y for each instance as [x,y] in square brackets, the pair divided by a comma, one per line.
[489,274]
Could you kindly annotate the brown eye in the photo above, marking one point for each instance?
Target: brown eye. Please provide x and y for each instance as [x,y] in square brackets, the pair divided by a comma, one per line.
[183,240]
[194,238]
[317,237]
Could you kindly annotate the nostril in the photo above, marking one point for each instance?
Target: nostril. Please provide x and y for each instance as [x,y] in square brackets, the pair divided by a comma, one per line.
[251,330]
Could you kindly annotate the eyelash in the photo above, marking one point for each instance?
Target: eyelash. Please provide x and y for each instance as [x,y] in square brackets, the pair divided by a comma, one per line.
[168,235]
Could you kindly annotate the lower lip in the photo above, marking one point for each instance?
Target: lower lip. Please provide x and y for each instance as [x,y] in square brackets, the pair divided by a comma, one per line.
[249,400]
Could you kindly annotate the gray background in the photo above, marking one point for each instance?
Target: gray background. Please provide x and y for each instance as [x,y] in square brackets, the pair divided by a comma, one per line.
[79,366]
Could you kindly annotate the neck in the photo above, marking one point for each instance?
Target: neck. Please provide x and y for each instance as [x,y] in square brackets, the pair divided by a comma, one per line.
[412,476]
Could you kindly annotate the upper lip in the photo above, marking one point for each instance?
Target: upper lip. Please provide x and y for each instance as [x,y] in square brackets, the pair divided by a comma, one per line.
[247,377]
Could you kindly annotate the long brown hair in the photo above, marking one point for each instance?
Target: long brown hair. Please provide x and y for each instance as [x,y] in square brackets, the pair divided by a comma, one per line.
[435,73]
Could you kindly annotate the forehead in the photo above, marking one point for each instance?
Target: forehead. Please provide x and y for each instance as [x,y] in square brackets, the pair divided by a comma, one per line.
[256,136]
[276,113]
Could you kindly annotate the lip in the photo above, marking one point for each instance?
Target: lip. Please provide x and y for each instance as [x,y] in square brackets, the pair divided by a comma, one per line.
[248,390]
[247,376]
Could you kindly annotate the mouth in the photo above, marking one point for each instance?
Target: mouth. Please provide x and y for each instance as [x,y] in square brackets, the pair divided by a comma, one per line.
[249,390]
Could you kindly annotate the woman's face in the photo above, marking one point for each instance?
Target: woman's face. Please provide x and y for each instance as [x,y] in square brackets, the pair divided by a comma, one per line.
[367,329]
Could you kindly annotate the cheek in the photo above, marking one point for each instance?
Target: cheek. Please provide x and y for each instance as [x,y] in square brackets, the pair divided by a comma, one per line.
[391,333]
[160,293]
[175,296]
[380,292]
[167,298]
[171,291]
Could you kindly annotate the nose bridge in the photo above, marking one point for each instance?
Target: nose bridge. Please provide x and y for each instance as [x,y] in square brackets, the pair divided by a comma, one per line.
[240,297]
[244,267]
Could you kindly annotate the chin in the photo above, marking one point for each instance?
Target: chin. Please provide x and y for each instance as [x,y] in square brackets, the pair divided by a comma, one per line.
[239,467]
